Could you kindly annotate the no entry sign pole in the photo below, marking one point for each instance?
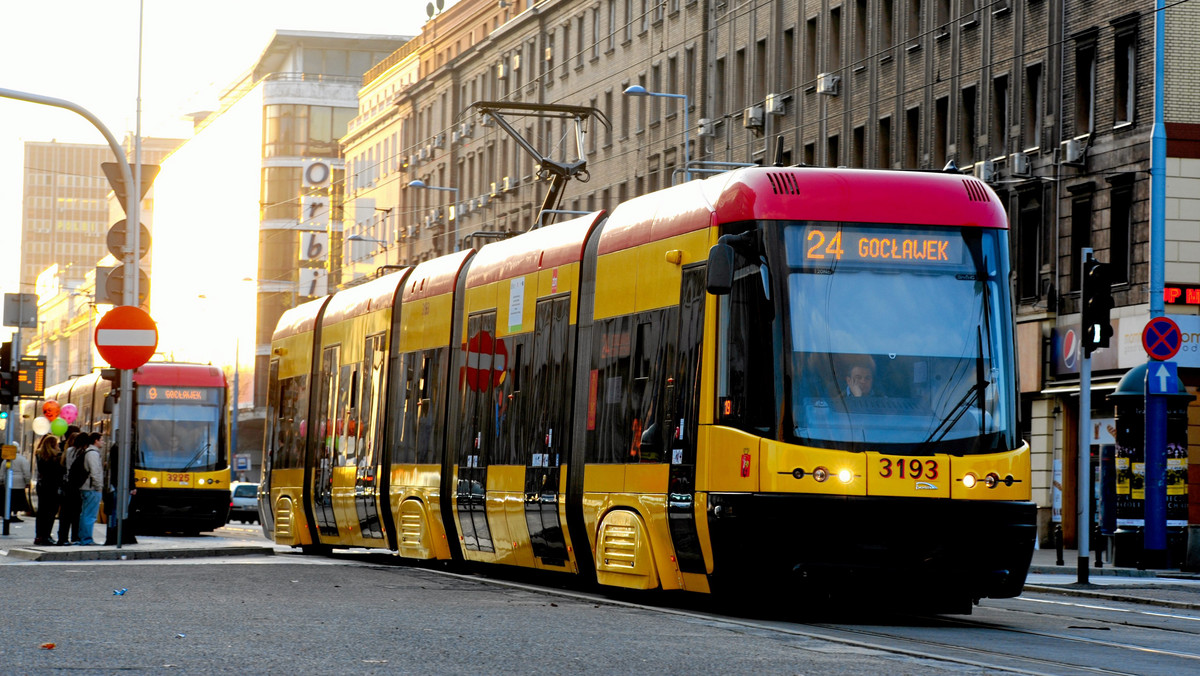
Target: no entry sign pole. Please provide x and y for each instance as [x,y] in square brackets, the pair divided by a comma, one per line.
[126,337]
[1161,339]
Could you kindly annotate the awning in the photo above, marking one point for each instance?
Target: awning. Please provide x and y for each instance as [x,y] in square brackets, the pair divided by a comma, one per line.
[1073,388]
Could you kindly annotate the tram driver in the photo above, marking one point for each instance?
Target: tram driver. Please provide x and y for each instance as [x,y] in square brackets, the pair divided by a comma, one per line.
[860,378]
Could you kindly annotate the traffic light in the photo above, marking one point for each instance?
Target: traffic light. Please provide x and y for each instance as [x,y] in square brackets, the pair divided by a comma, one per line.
[1097,304]
[8,380]
[110,282]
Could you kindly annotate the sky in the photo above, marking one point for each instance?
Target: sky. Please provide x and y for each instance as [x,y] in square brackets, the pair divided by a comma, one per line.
[87,52]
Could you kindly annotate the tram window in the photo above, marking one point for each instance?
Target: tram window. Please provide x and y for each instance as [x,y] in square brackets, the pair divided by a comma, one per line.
[612,370]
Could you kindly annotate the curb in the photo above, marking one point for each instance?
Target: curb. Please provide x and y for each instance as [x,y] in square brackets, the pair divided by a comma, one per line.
[1108,596]
[113,554]
[1070,570]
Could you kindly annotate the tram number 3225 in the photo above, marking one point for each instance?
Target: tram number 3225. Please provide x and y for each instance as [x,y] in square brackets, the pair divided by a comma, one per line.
[908,469]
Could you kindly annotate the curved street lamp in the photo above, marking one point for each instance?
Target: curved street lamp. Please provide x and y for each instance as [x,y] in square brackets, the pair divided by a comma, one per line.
[418,183]
[639,90]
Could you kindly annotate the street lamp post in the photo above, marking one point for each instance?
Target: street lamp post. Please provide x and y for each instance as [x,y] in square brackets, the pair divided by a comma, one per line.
[639,90]
[418,183]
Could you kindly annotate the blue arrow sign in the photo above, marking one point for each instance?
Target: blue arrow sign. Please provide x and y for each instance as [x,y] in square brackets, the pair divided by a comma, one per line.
[1160,377]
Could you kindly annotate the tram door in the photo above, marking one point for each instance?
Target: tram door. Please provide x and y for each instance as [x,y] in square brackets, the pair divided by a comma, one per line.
[549,407]
[477,432]
[327,439]
[683,407]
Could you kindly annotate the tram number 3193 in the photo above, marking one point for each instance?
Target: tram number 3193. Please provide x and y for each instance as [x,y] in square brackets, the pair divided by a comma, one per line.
[908,469]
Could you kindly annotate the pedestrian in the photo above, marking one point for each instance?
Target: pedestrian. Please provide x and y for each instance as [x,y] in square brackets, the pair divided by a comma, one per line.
[51,480]
[16,492]
[110,501]
[91,488]
[68,511]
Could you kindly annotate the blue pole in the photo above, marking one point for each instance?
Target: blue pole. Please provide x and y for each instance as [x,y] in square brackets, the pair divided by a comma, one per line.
[1155,531]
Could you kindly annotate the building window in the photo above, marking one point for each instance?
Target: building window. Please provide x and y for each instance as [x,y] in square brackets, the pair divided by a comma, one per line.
[628,20]
[612,23]
[1085,87]
[672,84]
[1081,234]
[941,131]
[788,60]
[912,138]
[1028,235]
[1120,221]
[914,20]
[885,143]
[810,51]
[810,154]
[834,57]
[966,143]
[1124,67]
[656,85]
[760,70]
[943,17]
[689,75]
[608,113]
[624,111]
[1000,123]
[858,150]
[860,33]
[1033,105]
[887,25]
[833,156]
[719,88]
[739,84]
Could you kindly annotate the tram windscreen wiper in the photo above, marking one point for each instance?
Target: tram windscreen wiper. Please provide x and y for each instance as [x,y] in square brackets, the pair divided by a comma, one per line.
[969,398]
[203,450]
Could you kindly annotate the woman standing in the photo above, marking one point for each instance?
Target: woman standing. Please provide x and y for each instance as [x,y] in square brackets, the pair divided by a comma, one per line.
[51,479]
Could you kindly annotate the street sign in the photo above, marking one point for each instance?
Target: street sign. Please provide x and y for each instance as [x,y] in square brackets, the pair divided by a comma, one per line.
[117,235]
[1161,338]
[20,310]
[126,337]
[241,462]
[116,179]
[1160,378]
[114,286]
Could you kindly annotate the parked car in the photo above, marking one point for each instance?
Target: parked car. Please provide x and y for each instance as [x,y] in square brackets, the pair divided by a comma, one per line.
[243,502]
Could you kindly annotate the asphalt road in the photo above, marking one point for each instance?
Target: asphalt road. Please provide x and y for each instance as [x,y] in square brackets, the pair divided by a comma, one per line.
[287,615]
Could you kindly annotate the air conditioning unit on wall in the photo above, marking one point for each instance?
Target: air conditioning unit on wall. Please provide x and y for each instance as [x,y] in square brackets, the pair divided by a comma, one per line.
[827,83]
[986,171]
[1021,164]
[752,117]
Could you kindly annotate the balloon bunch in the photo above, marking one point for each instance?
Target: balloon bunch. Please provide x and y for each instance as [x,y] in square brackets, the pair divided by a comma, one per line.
[54,418]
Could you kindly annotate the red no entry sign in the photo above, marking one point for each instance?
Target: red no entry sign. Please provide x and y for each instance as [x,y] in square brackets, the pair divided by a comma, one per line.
[126,337]
[1161,338]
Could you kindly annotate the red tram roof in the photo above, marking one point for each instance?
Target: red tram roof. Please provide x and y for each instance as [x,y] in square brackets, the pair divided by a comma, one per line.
[435,277]
[548,247]
[359,300]
[854,195]
[174,373]
[300,319]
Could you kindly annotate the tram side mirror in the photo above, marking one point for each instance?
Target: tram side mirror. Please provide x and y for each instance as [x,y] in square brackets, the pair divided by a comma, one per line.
[109,403]
[720,269]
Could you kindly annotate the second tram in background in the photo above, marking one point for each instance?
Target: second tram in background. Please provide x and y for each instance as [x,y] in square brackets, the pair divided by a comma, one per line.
[771,378]
[180,445]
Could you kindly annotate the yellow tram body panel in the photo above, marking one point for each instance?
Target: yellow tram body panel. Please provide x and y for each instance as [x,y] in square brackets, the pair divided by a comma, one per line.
[425,323]
[1013,472]
[414,494]
[218,479]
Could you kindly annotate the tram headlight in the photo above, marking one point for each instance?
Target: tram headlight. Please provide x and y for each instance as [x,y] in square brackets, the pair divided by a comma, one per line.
[153,479]
[969,480]
[820,474]
[991,480]
[846,476]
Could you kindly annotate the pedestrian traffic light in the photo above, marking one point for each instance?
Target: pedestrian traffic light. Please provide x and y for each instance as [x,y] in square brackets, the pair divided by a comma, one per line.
[1097,304]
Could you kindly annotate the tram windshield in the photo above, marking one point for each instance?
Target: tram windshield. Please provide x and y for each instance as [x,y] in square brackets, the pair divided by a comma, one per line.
[899,338]
[179,436]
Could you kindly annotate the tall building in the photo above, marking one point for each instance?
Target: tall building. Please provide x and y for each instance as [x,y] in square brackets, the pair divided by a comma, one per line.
[233,202]
[65,214]
[1049,102]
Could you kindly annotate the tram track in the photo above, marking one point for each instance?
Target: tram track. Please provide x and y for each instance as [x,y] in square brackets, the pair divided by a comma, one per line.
[953,651]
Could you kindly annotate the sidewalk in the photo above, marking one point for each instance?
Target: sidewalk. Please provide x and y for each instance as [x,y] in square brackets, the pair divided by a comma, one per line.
[18,546]
[1166,588]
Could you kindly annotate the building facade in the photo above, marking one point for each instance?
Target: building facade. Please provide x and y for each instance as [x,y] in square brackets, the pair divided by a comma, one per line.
[1049,101]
